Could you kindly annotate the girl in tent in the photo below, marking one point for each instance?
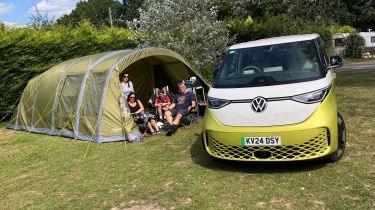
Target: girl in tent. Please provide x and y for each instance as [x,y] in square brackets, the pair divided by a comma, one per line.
[140,117]
[127,85]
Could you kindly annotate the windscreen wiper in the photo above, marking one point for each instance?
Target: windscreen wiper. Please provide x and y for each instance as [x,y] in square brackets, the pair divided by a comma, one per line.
[264,81]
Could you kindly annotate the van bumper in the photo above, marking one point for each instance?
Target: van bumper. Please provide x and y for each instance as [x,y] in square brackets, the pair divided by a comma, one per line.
[313,138]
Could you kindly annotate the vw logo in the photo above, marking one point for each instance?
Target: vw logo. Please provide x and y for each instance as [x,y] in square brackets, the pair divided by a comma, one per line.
[259,104]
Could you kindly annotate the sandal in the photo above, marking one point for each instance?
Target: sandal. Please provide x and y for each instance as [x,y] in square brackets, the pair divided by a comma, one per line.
[145,134]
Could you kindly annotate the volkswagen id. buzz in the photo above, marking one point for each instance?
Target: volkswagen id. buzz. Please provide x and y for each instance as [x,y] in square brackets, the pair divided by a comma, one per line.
[274,100]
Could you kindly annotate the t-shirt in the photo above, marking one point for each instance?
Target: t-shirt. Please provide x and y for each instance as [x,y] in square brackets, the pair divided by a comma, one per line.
[164,99]
[183,101]
[127,88]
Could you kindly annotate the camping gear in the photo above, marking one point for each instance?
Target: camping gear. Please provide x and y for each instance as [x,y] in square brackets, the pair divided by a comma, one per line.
[81,98]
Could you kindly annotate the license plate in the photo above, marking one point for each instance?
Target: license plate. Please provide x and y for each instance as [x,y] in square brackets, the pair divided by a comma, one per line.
[261,141]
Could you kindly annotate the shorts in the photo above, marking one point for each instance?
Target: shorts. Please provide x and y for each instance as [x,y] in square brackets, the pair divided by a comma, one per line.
[175,112]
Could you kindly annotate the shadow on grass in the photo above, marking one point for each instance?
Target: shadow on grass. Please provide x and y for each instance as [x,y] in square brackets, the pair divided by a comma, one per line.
[199,157]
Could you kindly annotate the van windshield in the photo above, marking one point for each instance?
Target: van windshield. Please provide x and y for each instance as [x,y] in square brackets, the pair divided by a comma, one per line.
[270,65]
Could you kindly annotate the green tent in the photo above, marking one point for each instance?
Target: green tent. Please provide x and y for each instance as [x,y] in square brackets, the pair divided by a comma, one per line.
[82,98]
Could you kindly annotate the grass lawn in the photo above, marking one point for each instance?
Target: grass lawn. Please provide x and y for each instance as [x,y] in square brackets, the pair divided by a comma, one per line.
[44,172]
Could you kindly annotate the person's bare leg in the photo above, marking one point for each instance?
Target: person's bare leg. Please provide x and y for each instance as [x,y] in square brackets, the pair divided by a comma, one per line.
[150,127]
[160,112]
[174,125]
[169,117]
[177,120]
[153,123]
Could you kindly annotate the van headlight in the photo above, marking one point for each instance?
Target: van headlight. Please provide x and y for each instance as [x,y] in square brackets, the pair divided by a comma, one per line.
[216,103]
[312,97]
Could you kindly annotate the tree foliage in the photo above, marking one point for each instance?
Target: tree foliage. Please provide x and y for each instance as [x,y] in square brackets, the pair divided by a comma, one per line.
[190,28]
[342,29]
[131,9]
[40,20]
[27,52]
[258,9]
[322,12]
[354,46]
[363,12]
[96,11]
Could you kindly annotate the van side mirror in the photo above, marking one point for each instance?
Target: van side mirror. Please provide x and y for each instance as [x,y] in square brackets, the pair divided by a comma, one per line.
[335,61]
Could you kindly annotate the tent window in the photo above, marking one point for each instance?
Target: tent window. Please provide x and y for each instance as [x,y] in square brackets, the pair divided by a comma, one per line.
[68,101]
[93,96]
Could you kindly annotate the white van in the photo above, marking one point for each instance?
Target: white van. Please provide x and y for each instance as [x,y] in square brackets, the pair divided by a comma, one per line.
[274,100]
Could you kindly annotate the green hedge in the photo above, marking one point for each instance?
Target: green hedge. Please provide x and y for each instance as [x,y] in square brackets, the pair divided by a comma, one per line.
[354,46]
[27,52]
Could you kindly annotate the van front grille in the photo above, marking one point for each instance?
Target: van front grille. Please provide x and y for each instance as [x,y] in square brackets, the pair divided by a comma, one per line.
[310,149]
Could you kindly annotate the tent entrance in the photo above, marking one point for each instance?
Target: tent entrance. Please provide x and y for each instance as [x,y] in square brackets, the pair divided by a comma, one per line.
[160,77]
[156,72]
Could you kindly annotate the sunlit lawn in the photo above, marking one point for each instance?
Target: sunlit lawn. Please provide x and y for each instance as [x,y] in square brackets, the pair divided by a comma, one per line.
[44,172]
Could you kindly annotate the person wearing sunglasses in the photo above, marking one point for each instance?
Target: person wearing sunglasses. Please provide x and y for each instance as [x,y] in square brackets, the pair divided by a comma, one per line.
[127,85]
[140,117]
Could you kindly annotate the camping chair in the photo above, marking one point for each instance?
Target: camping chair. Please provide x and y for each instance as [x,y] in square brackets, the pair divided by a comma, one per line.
[193,86]
[153,96]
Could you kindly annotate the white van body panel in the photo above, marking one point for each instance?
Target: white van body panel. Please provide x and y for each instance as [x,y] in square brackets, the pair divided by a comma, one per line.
[274,41]
[283,112]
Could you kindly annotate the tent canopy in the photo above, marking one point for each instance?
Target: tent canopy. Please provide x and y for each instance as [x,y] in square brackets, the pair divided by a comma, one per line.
[81,98]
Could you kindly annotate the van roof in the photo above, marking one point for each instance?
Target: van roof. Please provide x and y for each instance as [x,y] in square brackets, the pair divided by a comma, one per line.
[275,40]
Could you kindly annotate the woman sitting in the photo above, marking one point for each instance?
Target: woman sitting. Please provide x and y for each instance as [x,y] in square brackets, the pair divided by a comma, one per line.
[142,119]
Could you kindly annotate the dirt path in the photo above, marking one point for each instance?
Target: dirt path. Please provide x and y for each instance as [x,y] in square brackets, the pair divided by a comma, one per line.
[366,66]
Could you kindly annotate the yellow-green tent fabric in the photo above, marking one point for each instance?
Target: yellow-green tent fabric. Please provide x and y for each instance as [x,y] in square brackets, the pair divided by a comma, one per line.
[82,98]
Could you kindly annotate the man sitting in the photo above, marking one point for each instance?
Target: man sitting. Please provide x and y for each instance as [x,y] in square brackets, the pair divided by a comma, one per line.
[162,102]
[183,102]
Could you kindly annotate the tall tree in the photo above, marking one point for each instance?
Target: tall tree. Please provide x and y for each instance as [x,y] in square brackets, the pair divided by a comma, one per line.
[131,9]
[258,9]
[40,20]
[225,9]
[320,12]
[96,11]
[363,12]
[189,27]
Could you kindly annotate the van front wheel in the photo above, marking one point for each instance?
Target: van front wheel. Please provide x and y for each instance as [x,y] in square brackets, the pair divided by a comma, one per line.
[341,139]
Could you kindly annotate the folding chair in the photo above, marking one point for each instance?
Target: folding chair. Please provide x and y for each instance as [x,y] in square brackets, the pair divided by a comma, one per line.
[153,96]
[193,85]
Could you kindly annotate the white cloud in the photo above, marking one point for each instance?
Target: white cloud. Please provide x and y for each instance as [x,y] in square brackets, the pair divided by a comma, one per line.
[5,8]
[12,25]
[54,8]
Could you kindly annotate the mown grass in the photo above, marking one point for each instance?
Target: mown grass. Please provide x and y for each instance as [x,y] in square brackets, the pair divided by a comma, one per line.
[44,172]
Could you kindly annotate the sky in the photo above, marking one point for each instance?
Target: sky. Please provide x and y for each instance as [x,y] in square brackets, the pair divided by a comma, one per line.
[19,11]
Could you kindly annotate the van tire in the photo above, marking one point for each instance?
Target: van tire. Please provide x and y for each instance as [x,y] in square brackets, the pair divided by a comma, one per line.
[341,139]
